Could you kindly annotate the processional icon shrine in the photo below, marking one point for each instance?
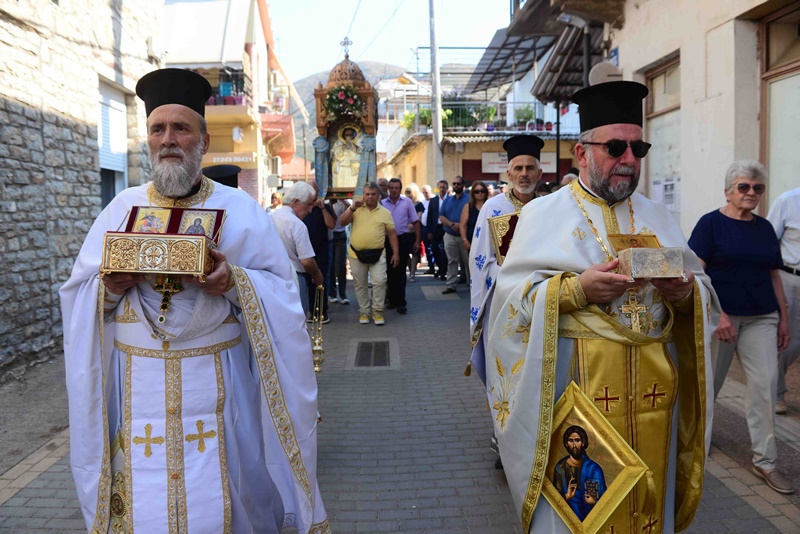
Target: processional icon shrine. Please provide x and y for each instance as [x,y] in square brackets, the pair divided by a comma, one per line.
[347,121]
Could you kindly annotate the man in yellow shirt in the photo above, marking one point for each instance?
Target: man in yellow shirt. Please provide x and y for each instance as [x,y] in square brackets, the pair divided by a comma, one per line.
[372,223]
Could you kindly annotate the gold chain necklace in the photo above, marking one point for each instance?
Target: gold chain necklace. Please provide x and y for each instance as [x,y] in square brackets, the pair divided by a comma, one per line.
[609,257]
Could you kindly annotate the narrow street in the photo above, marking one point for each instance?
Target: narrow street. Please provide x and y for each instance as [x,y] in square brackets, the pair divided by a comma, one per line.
[403,447]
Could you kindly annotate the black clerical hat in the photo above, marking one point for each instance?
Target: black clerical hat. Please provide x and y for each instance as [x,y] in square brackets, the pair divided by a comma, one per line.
[224,174]
[523,145]
[174,86]
[617,102]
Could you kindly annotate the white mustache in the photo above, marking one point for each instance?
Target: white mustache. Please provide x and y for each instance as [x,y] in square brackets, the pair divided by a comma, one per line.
[167,152]
[623,170]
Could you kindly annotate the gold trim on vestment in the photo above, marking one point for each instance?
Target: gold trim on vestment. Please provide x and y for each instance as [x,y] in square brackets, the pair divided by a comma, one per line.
[176,354]
[691,453]
[518,204]
[546,404]
[273,392]
[102,509]
[176,477]
[157,199]
[128,437]
[128,314]
[320,528]
[231,319]
[223,459]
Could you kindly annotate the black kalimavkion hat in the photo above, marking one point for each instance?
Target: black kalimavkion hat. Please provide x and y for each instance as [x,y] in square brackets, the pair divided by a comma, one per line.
[617,102]
[174,86]
[224,174]
[523,145]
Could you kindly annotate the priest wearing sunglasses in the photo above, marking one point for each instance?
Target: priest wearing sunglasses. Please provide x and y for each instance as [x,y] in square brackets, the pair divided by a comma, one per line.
[742,255]
[638,351]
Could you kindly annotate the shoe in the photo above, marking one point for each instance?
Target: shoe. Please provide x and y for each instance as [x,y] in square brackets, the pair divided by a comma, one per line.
[331,300]
[391,306]
[309,320]
[462,280]
[363,318]
[781,408]
[498,464]
[774,479]
[344,300]
[449,290]
[402,310]
[430,271]
[326,320]
[412,279]
[378,318]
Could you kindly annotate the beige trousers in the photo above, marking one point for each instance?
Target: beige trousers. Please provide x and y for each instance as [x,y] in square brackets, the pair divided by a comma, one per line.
[362,272]
[757,347]
[791,288]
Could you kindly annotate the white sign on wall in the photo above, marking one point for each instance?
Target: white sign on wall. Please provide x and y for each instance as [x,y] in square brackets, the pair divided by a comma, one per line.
[498,162]
[494,162]
[548,162]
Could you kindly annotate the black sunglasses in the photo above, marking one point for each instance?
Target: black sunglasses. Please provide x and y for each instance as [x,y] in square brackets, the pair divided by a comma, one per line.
[479,191]
[617,147]
[757,188]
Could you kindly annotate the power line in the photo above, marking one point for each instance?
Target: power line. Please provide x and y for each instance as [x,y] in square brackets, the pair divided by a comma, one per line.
[400,3]
[352,21]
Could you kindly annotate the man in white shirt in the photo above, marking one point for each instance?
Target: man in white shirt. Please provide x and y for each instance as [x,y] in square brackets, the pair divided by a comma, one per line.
[427,194]
[288,219]
[785,217]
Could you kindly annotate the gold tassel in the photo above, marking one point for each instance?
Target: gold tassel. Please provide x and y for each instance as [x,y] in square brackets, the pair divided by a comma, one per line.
[468,370]
[649,505]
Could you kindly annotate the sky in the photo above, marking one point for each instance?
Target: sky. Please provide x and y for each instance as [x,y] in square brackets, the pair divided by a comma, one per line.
[308,32]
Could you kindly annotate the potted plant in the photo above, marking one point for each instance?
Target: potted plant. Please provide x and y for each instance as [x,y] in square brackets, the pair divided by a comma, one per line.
[539,125]
[524,114]
[548,126]
[409,119]
[425,117]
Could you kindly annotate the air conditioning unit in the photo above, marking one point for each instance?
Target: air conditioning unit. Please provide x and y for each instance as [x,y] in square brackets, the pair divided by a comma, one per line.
[275,165]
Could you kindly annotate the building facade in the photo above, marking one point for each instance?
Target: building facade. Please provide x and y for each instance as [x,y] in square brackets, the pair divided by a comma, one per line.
[724,80]
[73,135]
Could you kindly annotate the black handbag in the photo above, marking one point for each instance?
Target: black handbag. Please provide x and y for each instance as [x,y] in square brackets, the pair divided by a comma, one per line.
[368,255]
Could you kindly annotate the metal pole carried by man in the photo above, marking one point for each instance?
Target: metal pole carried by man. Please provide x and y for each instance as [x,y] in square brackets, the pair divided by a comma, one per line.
[638,352]
[173,417]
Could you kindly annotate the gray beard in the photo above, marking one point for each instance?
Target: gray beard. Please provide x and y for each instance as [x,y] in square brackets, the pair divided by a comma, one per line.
[525,190]
[173,179]
[599,182]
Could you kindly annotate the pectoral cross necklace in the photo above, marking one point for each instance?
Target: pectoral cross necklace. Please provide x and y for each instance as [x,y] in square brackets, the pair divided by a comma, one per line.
[609,257]
[168,285]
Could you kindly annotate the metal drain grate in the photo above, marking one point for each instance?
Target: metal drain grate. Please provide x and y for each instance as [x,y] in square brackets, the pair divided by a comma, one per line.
[372,354]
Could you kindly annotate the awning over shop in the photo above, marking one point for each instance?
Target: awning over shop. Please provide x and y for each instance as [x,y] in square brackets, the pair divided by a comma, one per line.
[205,34]
[539,17]
[487,137]
[562,73]
[507,59]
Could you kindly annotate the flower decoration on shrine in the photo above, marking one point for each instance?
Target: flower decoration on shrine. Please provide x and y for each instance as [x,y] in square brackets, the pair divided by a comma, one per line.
[343,100]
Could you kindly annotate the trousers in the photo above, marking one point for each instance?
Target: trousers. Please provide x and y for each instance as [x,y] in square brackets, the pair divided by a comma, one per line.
[791,288]
[396,276]
[456,253]
[757,347]
[362,273]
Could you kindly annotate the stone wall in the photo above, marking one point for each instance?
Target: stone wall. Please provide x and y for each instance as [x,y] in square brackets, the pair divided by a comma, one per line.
[53,56]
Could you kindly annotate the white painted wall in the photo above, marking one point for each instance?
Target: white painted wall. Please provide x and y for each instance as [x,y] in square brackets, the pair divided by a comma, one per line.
[719,85]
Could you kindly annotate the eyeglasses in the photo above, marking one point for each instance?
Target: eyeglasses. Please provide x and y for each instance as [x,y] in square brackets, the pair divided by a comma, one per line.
[757,188]
[478,191]
[460,184]
[617,147]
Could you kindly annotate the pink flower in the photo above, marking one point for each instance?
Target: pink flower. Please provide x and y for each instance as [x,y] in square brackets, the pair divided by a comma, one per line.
[341,95]
[350,100]
[356,97]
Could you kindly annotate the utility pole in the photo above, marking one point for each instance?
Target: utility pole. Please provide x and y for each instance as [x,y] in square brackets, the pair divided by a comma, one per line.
[416,118]
[305,159]
[436,99]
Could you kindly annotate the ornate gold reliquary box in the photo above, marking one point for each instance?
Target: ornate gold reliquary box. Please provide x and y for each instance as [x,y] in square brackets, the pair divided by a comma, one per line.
[644,263]
[164,241]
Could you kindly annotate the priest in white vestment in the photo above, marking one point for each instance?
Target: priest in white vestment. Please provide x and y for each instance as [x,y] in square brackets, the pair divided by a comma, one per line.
[524,172]
[638,351]
[192,410]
